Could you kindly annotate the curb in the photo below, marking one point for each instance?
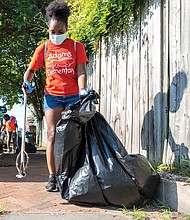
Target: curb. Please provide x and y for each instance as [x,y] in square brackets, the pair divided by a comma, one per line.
[175,194]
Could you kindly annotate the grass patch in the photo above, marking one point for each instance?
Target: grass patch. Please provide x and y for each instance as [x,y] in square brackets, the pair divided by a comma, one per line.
[175,168]
[153,210]
[2,208]
[135,213]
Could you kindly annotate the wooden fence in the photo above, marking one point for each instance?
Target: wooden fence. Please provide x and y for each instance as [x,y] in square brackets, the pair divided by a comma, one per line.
[143,81]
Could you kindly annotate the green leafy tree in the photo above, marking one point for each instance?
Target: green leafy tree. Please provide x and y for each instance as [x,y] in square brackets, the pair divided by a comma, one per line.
[22,27]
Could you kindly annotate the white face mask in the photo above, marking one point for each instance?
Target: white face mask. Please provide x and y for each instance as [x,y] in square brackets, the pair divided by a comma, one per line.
[57,39]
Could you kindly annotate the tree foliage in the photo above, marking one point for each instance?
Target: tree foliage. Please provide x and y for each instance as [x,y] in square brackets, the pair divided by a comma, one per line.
[91,19]
[23,27]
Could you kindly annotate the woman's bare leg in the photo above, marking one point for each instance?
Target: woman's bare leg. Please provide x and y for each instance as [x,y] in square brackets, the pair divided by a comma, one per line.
[14,141]
[9,135]
[52,117]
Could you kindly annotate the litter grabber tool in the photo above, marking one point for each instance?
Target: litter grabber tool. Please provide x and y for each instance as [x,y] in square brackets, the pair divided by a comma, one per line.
[22,159]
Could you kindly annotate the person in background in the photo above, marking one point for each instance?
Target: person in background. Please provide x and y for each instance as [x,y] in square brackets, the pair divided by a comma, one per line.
[10,125]
[65,62]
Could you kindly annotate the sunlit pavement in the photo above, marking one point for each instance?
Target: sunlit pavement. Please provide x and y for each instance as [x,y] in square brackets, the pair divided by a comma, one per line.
[27,195]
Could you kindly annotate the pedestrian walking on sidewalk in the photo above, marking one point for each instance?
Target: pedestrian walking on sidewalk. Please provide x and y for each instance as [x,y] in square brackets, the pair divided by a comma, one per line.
[65,62]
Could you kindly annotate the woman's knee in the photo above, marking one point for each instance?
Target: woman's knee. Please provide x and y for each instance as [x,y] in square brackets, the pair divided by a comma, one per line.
[51,135]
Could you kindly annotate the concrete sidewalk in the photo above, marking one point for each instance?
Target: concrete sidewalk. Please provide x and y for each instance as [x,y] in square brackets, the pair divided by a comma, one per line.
[26,198]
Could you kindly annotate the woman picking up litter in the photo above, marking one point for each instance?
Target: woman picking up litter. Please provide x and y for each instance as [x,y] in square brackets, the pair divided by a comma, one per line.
[65,65]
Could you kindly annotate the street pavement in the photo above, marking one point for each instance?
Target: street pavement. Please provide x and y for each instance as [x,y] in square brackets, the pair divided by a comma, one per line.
[26,198]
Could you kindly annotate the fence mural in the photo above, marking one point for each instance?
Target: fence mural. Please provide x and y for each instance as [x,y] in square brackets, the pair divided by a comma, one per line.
[143,81]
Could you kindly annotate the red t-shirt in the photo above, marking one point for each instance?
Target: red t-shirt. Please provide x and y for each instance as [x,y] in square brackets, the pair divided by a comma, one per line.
[61,63]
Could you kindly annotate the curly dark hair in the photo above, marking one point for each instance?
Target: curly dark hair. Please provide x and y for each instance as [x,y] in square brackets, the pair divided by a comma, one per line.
[58,10]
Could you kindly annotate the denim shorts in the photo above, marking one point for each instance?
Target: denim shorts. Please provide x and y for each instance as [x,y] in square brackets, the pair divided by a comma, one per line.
[51,101]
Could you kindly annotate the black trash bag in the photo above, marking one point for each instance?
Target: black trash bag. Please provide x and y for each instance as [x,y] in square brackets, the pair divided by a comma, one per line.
[29,148]
[92,164]
[84,186]
[69,151]
[117,186]
[67,147]
[136,165]
[85,107]
[142,173]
